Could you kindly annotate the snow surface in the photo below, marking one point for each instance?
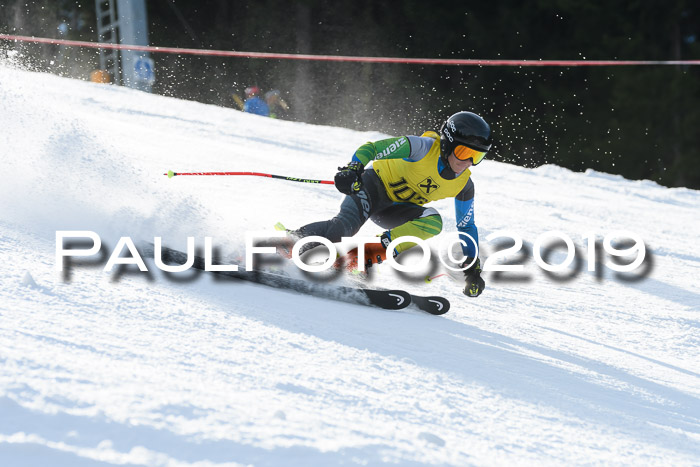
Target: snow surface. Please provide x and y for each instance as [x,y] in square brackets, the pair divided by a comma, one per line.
[143,369]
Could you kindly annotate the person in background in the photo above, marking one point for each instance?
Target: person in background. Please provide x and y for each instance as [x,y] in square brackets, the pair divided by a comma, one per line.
[253,103]
[278,107]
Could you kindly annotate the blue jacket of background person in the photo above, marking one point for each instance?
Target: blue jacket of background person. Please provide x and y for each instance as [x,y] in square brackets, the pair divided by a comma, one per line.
[257,106]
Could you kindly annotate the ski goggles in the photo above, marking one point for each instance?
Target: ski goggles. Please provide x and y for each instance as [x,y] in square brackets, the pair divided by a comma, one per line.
[463,153]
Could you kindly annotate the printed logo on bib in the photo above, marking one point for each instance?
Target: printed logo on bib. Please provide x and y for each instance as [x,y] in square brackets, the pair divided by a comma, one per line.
[428,185]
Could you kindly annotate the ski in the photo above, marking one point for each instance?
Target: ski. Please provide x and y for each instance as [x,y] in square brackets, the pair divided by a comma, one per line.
[386,299]
[433,305]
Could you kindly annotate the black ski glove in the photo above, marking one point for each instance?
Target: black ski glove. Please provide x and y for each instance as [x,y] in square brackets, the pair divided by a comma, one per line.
[472,276]
[349,180]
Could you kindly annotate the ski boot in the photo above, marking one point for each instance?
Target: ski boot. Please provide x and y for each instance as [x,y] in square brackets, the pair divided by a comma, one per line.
[375,253]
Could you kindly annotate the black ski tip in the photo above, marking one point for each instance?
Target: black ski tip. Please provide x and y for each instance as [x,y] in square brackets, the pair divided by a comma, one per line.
[433,305]
[388,299]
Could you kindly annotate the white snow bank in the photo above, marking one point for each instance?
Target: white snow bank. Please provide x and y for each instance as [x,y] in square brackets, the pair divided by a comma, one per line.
[138,369]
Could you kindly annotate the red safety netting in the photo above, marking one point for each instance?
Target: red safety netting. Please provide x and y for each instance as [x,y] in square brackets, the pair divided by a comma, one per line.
[341,58]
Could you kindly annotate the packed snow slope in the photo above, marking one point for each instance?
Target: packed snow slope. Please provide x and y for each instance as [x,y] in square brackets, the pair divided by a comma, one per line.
[147,369]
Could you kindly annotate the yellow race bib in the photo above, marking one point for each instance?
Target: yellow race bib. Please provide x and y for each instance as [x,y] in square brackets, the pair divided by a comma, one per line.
[418,182]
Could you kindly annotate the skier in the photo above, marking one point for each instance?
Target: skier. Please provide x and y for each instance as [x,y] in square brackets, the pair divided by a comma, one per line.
[407,173]
[278,106]
[253,103]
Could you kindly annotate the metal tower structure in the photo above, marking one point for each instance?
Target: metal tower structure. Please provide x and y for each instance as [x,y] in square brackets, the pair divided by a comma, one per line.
[108,33]
[125,22]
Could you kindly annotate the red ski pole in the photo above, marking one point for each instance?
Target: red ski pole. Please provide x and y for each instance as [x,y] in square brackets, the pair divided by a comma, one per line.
[172,174]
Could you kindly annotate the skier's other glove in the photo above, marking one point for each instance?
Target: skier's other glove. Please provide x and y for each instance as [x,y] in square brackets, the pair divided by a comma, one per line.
[349,178]
[474,284]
